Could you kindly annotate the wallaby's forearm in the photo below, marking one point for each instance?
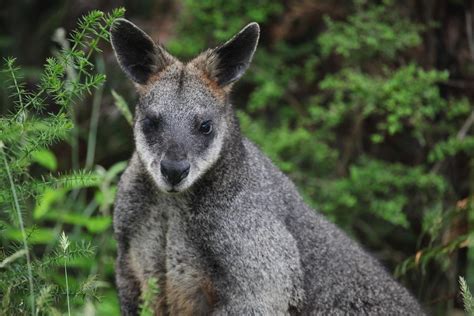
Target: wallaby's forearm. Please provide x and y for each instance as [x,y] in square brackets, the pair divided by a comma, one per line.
[128,286]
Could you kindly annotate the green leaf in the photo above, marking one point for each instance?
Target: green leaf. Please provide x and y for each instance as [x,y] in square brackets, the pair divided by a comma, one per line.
[46,200]
[94,224]
[467,298]
[73,180]
[36,236]
[122,105]
[45,158]
[98,224]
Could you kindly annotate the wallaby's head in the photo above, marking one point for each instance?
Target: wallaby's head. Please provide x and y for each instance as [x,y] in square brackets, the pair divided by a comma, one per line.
[183,118]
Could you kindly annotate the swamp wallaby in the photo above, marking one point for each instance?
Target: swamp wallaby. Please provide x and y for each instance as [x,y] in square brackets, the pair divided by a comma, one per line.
[203,211]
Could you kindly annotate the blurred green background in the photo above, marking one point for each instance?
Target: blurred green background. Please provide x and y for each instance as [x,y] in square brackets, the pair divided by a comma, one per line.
[366,105]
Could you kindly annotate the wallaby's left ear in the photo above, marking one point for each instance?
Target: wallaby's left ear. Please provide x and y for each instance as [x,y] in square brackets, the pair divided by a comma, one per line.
[228,62]
[139,57]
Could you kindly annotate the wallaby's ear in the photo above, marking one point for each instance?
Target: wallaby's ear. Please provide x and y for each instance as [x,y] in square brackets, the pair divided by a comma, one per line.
[228,62]
[137,54]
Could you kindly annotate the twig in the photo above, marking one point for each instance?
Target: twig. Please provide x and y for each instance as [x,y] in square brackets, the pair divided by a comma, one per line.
[22,229]
[96,103]
[460,84]
[443,298]
[467,124]
[470,120]
[295,104]
[460,136]
[469,33]
[64,242]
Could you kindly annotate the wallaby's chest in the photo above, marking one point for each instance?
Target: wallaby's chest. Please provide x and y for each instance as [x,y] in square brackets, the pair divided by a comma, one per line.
[163,249]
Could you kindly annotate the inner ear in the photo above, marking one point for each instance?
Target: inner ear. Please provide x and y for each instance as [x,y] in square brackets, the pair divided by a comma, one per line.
[235,55]
[228,62]
[137,54]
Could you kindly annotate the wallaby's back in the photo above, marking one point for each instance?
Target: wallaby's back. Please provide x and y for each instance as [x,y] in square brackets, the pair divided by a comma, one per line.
[339,276]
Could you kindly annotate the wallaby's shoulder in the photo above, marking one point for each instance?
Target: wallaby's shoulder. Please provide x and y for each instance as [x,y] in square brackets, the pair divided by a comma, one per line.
[266,178]
[133,192]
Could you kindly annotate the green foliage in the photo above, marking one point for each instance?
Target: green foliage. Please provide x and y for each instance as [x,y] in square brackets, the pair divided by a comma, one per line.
[29,199]
[122,105]
[401,99]
[451,147]
[148,297]
[45,158]
[381,189]
[211,18]
[374,30]
[467,298]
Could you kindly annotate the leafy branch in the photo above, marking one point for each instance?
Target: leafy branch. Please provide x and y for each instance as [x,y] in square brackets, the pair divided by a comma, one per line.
[31,128]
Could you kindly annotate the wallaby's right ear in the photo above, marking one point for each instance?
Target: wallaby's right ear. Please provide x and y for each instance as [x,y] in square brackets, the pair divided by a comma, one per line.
[138,56]
[226,63]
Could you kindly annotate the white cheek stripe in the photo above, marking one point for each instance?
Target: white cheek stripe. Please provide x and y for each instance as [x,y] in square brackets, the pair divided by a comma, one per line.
[212,154]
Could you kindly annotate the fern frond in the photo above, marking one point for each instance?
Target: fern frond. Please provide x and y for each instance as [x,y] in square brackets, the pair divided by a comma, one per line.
[45,300]
[467,298]
[148,297]
[10,130]
[75,251]
[15,77]
[67,77]
[22,227]
[73,180]
[39,134]
[89,287]
[122,105]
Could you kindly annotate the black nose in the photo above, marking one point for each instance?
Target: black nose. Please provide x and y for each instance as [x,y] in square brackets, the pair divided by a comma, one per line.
[174,171]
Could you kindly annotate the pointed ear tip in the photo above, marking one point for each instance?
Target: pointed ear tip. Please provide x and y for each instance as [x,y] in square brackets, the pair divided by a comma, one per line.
[121,22]
[253,26]
[116,24]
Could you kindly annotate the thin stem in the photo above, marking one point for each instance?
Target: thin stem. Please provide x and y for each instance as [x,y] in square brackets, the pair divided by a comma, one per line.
[17,87]
[22,228]
[92,138]
[30,102]
[469,34]
[67,287]
[64,243]
[74,140]
[75,130]
[461,134]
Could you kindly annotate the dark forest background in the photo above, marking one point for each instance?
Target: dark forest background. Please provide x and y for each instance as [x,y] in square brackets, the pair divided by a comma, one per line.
[366,105]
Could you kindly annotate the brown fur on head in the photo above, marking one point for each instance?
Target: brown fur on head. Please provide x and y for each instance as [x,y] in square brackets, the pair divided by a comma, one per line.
[143,60]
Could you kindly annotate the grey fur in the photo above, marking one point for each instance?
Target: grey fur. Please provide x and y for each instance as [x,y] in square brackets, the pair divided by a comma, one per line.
[236,238]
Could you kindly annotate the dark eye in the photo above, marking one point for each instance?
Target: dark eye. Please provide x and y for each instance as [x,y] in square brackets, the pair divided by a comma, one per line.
[206,127]
[149,124]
